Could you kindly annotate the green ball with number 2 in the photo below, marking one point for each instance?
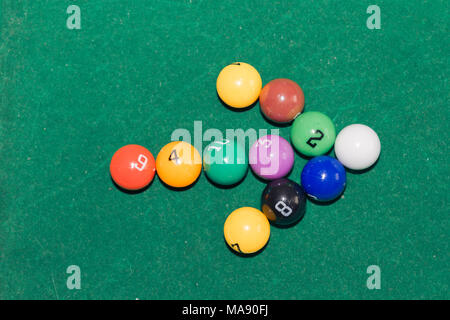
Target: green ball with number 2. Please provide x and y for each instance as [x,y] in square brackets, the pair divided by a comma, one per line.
[313,133]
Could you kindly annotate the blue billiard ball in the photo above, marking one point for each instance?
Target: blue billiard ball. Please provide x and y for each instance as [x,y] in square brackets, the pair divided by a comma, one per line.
[323,178]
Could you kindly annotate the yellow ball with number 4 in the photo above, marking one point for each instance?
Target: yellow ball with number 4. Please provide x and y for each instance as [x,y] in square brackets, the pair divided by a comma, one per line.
[246,230]
[178,164]
[239,85]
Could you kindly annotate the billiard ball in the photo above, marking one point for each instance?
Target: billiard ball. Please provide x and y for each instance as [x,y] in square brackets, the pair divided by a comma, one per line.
[281,100]
[313,133]
[178,164]
[283,202]
[357,147]
[323,178]
[239,85]
[225,162]
[271,157]
[132,167]
[246,230]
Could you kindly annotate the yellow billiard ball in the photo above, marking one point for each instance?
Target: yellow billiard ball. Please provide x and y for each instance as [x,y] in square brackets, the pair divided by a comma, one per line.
[246,230]
[239,85]
[178,164]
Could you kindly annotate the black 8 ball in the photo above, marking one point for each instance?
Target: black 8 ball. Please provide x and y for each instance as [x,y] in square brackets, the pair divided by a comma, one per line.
[283,202]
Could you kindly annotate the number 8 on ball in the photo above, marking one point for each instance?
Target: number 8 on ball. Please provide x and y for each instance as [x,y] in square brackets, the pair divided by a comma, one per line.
[283,202]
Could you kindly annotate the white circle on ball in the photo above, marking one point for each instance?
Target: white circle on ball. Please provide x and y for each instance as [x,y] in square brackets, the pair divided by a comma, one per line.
[357,147]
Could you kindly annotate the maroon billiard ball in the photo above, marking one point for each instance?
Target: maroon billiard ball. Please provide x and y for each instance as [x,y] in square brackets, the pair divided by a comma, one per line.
[282,100]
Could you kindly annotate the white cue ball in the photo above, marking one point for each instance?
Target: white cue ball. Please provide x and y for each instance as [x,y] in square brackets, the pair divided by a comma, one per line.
[357,147]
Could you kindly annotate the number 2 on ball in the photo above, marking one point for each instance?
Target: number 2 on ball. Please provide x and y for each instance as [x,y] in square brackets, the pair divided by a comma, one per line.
[313,144]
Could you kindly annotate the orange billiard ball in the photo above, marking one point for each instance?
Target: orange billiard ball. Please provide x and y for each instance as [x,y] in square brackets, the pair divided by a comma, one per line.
[178,164]
[132,167]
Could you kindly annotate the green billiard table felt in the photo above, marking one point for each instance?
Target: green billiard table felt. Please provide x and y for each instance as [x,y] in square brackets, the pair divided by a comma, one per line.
[137,70]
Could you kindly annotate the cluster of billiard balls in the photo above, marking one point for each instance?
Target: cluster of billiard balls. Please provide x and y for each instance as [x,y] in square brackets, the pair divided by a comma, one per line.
[225,162]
